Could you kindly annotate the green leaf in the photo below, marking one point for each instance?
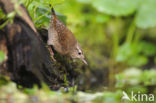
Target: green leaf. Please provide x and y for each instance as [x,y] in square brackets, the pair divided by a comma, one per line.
[146,16]
[11,14]
[126,51]
[85,1]
[2,56]
[40,12]
[138,61]
[116,7]
[147,48]
[136,54]
[2,14]
[102,18]
[57,2]
[149,77]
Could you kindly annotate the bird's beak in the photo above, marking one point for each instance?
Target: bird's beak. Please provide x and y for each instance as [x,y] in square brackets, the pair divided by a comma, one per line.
[84,61]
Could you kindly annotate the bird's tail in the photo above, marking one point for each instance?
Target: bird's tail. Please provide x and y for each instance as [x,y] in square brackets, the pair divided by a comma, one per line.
[53,16]
[53,12]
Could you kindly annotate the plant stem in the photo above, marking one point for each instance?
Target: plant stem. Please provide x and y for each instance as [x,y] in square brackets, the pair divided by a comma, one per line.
[42,16]
[112,62]
[131,31]
[115,38]
[4,24]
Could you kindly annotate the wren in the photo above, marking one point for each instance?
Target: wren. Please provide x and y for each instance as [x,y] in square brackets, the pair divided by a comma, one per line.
[63,40]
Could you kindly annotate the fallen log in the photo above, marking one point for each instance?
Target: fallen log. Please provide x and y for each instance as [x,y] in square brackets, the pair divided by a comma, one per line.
[28,59]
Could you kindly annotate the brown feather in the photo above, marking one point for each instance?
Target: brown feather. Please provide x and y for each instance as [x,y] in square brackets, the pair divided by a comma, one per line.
[66,37]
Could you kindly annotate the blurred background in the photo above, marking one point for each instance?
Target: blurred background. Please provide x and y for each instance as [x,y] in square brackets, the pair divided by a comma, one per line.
[118,38]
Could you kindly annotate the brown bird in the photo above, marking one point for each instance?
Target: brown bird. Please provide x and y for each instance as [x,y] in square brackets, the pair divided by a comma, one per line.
[63,40]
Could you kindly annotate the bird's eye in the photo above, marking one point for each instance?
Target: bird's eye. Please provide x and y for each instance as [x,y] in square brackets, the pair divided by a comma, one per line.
[79,53]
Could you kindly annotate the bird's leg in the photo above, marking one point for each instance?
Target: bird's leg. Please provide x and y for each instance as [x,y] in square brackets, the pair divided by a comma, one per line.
[51,53]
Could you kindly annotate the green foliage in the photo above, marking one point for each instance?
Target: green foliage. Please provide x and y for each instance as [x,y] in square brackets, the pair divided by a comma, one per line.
[146,15]
[2,14]
[116,7]
[2,56]
[131,54]
[145,9]
[3,80]
[149,77]
[148,49]
[85,1]
[29,91]
[135,54]
[42,3]
[135,77]
[42,19]
[130,76]
[40,10]
[101,18]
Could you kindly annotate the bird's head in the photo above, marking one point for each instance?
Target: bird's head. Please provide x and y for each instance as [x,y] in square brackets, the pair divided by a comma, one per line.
[77,53]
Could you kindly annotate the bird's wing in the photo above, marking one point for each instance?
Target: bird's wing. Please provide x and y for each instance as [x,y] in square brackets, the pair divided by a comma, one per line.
[66,38]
